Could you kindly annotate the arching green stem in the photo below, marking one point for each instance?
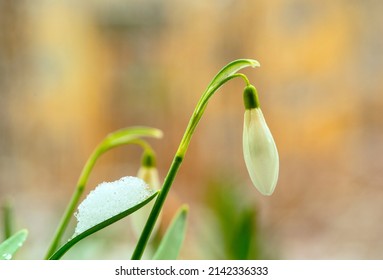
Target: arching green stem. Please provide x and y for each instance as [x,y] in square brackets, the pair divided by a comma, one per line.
[200,109]
[121,137]
[226,74]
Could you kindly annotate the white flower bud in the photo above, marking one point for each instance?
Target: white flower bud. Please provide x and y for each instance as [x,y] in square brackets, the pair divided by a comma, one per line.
[150,176]
[138,219]
[260,152]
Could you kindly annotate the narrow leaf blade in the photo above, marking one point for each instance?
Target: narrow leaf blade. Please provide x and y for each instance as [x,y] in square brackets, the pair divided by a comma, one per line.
[9,247]
[171,243]
[63,249]
[7,218]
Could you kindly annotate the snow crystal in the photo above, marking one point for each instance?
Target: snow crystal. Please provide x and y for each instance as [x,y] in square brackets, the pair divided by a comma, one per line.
[109,199]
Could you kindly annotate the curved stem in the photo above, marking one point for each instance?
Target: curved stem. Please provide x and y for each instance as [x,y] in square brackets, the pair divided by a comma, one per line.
[73,201]
[178,158]
[80,187]
[199,110]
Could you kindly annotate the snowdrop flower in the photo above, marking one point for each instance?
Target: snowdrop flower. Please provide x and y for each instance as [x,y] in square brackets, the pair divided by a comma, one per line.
[259,149]
[149,174]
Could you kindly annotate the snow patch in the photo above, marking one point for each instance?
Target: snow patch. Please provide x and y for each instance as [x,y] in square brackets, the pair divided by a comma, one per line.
[109,199]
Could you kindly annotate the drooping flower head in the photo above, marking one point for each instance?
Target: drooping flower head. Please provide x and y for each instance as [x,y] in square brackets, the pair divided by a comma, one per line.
[259,149]
[148,170]
[149,173]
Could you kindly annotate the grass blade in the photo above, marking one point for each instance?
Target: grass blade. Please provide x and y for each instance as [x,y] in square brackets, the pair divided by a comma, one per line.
[171,243]
[9,247]
[7,218]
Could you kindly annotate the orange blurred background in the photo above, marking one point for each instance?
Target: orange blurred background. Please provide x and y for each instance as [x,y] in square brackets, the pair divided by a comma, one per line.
[72,72]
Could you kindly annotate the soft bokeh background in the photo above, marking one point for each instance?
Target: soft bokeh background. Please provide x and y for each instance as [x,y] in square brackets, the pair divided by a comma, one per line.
[73,71]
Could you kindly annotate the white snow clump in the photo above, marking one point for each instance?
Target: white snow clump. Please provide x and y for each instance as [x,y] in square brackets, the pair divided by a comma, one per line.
[109,199]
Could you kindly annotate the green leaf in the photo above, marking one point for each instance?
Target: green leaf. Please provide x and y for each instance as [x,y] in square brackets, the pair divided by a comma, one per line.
[231,69]
[245,235]
[9,247]
[62,250]
[171,243]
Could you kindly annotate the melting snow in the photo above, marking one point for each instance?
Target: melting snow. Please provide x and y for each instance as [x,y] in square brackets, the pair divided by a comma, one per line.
[109,199]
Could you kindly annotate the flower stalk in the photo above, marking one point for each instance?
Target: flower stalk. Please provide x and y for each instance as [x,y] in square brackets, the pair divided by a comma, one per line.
[226,74]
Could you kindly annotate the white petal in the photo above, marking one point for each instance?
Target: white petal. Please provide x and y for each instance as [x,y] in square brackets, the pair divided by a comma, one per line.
[260,152]
[150,176]
[138,219]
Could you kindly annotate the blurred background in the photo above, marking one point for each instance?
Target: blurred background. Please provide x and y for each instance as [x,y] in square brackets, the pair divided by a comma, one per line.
[71,72]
